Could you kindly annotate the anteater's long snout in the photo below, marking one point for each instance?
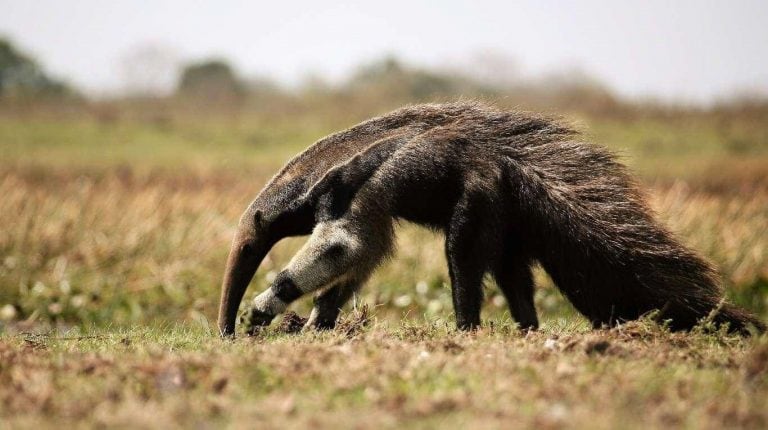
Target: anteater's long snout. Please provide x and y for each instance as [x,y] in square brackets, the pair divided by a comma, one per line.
[244,258]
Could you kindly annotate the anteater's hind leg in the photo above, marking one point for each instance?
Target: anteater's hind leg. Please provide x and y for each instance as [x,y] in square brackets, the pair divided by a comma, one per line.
[328,304]
[513,275]
[471,240]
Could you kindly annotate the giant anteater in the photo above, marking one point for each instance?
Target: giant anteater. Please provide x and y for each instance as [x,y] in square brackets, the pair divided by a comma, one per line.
[508,189]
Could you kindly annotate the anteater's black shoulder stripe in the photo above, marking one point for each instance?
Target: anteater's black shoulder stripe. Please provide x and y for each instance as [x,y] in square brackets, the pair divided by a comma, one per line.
[285,289]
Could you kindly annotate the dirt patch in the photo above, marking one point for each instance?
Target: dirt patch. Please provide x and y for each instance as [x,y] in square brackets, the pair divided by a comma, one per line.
[291,323]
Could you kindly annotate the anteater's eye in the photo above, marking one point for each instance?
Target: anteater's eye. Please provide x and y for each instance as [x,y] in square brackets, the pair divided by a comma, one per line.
[335,250]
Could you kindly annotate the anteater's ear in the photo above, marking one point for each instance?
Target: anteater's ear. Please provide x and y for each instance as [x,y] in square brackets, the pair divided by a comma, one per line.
[336,189]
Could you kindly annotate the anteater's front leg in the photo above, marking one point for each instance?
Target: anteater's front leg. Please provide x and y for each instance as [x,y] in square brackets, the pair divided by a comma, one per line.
[328,304]
[274,300]
[285,290]
[327,259]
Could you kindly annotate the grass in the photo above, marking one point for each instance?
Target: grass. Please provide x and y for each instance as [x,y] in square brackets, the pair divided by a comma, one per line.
[120,248]
[405,375]
[115,232]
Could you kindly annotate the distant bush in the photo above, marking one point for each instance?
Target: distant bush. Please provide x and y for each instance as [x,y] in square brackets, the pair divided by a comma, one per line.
[390,77]
[22,77]
[211,80]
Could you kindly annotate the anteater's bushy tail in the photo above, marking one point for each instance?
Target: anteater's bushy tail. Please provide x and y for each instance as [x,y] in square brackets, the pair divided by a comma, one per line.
[738,319]
[589,226]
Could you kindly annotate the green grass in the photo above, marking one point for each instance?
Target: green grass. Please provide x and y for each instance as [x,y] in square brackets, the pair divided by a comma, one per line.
[206,144]
[700,150]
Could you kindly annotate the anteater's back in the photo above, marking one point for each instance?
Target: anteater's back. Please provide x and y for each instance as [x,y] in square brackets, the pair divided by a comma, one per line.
[310,165]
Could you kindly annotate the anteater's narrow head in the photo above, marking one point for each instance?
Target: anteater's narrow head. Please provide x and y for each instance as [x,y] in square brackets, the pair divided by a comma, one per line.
[279,211]
[276,213]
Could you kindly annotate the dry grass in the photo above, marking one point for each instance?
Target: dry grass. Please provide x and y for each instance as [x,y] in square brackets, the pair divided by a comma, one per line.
[122,248]
[405,375]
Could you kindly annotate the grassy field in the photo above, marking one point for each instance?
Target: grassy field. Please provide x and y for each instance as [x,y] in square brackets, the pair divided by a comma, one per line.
[412,375]
[116,226]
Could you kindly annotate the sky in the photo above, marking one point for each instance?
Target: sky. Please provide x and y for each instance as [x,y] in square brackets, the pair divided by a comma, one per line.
[690,51]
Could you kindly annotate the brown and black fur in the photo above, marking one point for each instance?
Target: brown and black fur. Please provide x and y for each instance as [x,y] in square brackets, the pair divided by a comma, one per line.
[508,189]
[274,214]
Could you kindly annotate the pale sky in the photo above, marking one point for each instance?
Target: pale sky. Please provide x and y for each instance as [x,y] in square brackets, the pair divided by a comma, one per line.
[693,50]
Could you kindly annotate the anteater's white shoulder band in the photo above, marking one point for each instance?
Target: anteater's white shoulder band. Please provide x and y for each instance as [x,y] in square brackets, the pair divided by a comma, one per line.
[269,303]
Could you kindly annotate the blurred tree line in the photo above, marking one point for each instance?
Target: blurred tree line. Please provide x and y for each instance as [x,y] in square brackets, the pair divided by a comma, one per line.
[22,77]
[213,86]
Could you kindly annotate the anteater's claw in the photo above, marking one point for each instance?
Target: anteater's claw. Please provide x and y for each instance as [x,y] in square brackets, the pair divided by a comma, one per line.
[255,320]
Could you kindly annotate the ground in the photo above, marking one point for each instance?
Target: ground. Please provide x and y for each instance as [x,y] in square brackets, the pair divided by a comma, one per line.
[116,226]
[410,375]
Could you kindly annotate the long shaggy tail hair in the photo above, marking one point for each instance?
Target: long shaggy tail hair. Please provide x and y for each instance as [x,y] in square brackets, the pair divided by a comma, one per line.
[592,231]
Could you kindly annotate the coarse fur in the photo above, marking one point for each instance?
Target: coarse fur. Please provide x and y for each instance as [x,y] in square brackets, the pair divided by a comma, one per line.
[507,189]
[274,214]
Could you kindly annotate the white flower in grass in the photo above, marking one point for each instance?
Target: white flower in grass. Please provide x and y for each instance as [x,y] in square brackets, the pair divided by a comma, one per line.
[422,287]
[39,288]
[77,301]
[434,306]
[65,287]
[7,312]
[55,308]
[402,301]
